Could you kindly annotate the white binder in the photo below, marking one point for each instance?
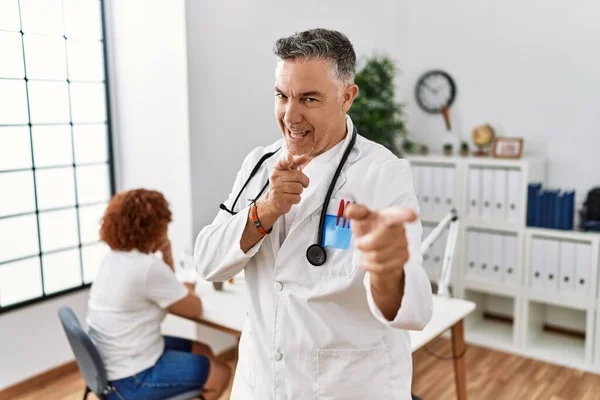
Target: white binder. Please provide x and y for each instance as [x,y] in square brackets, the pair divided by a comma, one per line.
[487,193]
[426,190]
[450,202]
[472,254]
[427,256]
[500,195]
[485,256]
[551,258]
[537,263]
[497,257]
[583,269]
[474,192]
[566,267]
[510,259]
[514,193]
[416,173]
[439,184]
[438,255]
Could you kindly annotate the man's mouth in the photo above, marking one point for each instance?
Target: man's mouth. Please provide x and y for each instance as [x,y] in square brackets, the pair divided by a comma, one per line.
[298,134]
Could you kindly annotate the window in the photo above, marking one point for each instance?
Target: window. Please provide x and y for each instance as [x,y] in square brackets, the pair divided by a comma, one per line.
[56,173]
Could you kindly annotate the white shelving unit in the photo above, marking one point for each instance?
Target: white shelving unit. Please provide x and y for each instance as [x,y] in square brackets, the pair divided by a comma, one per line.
[514,313]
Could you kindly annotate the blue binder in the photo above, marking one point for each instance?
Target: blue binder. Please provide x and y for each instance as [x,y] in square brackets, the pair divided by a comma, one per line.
[532,202]
[539,197]
[558,222]
[568,209]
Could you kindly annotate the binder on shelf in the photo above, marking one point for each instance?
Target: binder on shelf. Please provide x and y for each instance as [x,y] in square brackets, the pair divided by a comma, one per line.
[566,267]
[449,189]
[500,194]
[537,263]
[474,192]
[510,259]
[497,257]
[513,205]
[472,254]
[539,197]
[487,193]
[583,271]
[557,221]
[569,209]
[551,257]
[438,190]
[532,202]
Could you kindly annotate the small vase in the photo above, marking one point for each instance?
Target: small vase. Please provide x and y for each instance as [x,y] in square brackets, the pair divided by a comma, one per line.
[218,285]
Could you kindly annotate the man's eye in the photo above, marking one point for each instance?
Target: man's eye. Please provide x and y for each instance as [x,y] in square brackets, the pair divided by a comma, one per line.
[280,96]
[310,100]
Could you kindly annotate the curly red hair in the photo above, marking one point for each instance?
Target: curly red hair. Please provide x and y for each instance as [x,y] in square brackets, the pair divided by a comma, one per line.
[135,219]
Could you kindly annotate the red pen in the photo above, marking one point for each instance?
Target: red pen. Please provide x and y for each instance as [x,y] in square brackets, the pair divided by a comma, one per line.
[340,213]
[347,204]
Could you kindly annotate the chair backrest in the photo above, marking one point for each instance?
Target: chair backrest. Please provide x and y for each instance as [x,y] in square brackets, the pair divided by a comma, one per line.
[86,354]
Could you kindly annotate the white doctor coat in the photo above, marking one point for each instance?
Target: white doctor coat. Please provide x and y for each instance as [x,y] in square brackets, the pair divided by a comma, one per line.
[316,332]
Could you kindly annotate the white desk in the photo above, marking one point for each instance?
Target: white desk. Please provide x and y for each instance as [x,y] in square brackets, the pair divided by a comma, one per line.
[225,310]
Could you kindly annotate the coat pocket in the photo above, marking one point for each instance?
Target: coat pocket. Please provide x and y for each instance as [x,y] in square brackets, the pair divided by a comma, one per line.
[354,374]
[341,254]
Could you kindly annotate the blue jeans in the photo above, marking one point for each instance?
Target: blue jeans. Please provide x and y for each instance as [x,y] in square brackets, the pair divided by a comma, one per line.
[176,371]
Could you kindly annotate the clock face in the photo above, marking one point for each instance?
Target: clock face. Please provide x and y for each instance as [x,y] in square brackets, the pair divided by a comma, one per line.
[434,90]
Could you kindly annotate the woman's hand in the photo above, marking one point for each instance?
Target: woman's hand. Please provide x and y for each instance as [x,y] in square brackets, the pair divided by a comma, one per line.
[164,246]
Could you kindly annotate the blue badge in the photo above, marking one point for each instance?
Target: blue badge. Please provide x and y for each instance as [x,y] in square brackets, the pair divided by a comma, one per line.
[336,229]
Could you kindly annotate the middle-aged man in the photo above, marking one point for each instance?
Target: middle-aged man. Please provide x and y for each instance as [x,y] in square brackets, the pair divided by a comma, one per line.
[325,320]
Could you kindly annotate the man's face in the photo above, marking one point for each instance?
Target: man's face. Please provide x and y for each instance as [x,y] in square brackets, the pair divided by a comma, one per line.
[310,110]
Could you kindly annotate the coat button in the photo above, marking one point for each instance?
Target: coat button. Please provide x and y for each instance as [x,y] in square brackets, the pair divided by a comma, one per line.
[278,286]
[278,356]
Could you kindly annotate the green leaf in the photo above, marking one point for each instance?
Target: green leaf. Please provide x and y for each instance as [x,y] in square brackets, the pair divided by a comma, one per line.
[375,112]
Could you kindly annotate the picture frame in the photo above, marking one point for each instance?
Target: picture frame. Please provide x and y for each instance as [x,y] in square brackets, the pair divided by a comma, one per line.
[508,147]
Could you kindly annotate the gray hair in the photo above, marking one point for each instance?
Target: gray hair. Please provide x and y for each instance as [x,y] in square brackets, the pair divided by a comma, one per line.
[320,44]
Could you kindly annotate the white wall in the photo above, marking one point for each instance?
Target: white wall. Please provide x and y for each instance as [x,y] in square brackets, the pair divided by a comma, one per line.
[530,68]
[231,75]
[32,339]
[150,97]
[150,117]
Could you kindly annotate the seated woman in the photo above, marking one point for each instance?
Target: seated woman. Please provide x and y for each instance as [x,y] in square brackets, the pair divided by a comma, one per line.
[132,293]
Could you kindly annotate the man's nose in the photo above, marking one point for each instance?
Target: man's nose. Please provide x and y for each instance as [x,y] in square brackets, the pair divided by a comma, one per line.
[292,113]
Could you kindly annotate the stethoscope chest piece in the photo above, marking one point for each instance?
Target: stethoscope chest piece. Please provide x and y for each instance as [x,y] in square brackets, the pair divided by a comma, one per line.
[316,255]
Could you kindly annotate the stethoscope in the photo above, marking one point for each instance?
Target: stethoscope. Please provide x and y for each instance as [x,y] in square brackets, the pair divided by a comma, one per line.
[315,254]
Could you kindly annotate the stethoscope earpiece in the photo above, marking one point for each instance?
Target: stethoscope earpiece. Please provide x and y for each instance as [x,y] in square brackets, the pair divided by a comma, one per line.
[316,255]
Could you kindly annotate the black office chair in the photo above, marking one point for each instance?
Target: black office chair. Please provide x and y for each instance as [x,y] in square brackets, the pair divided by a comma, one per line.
[89,362]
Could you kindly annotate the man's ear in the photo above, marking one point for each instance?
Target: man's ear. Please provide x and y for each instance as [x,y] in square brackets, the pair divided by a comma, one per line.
[348,97]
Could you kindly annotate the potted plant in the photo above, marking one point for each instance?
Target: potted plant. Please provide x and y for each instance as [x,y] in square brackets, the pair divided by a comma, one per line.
[424,150]
[408,146]
[448,149]
[464,149]
[375,111]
